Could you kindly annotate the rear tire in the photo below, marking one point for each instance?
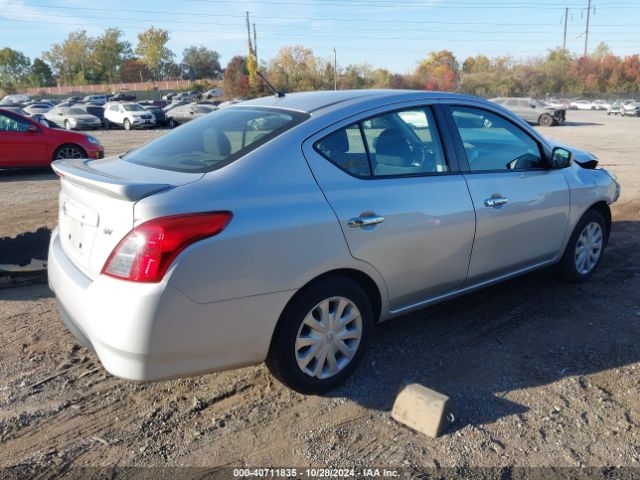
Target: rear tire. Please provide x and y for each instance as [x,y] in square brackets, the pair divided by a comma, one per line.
[311,351]
[67,125]
[105,124]
[584,249]
[172,123]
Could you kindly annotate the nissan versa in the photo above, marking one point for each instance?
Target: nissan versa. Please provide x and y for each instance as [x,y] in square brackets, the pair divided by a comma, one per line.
[282,229]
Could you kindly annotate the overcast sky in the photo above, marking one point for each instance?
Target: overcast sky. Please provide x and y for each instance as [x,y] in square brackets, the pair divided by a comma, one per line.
[390,34]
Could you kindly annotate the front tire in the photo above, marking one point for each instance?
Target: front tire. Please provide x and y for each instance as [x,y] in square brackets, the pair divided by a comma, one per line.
[127,124]
[545,120]
[67,125]
[321,336]
[69,151]
[584,250]
[172,123]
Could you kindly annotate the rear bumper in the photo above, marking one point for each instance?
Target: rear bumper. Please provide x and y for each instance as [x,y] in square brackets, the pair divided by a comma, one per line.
[147,332]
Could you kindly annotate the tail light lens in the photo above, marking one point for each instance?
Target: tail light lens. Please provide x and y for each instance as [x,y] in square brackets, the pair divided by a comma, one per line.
[145,254]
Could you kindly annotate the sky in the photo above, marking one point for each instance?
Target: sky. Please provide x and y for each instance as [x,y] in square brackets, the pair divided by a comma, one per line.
[391,34]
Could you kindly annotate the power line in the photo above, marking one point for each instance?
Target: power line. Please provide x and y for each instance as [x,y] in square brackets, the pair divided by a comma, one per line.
[350,20]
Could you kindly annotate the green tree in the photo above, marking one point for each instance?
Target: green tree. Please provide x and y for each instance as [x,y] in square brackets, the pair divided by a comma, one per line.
[109,53]
[41,75]
[71,60]
[203,62]
[152,50]
[14,68]
[297,69]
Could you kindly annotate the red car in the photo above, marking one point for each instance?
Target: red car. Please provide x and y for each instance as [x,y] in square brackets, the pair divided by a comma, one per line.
[26,143]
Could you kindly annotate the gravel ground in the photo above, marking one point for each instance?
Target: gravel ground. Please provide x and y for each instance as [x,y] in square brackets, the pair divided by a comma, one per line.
[540,373]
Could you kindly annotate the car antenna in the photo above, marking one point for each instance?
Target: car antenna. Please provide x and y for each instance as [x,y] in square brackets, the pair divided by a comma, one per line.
[275,91]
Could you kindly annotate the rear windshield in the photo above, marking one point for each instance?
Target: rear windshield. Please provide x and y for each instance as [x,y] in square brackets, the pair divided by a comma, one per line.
[214,140]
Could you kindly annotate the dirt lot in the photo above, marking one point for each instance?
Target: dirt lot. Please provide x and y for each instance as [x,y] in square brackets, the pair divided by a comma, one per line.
[540,373]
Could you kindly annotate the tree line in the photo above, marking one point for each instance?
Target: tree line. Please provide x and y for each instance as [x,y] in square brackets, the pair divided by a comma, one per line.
[109,58]
[558,73]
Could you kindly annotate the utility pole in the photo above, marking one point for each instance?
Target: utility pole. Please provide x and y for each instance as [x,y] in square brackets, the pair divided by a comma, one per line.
[586,34]
[566,18]
[335,69]
[255,44]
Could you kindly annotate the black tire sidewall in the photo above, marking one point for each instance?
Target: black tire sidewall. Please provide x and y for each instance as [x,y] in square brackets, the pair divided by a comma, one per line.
[567,265]
[281,359]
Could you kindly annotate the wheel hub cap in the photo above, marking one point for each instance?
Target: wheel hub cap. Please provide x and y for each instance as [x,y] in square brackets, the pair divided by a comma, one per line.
[328,337]
[588,248]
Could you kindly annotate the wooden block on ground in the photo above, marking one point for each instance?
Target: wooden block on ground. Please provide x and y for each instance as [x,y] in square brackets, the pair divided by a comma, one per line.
[422,409]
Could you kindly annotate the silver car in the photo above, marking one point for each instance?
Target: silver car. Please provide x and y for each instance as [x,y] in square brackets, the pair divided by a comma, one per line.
[283,229]
[533,111]
[72,118]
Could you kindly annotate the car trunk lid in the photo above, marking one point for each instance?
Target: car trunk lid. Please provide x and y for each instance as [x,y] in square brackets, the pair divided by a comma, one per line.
[96,207]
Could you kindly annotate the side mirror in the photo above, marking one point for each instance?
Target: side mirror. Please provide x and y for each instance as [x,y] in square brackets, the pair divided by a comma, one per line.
[32,129]
[561,158]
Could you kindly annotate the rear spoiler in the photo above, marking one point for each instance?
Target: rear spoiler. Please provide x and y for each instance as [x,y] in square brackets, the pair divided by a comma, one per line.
[78,172]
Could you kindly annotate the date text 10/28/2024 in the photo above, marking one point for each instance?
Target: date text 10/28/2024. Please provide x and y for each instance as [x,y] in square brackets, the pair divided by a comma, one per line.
[314,473]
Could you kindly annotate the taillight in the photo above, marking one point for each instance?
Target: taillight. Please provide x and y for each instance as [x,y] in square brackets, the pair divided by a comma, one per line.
[145,253]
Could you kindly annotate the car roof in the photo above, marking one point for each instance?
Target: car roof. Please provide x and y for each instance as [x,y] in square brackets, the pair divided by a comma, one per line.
[318,102]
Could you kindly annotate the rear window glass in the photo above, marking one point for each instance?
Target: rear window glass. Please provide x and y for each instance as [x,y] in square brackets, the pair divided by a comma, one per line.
[215,140]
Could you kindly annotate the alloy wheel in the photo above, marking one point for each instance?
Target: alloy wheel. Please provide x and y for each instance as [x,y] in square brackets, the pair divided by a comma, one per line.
[328,337]
[69,152]
[588,248]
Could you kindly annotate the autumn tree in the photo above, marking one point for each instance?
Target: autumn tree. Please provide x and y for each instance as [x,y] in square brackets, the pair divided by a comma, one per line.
[440,71]
[236,77]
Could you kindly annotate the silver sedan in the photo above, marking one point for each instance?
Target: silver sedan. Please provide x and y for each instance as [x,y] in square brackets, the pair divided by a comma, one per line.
[283,229]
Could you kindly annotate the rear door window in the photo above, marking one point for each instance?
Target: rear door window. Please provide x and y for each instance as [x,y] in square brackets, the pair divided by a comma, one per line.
[399,143]
[215,140]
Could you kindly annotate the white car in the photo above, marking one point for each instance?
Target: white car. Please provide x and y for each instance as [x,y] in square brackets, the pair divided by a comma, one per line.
[97,99]
[128,115]
[16,98]
[583,105]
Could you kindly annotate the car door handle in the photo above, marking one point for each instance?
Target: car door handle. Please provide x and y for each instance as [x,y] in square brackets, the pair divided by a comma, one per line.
[360,222]
[495,201]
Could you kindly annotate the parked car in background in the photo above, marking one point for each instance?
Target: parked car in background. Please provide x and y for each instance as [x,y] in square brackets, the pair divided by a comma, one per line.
[583,105]
[25,143]
[127,115]
[97,99]
[168,96]
[15,98]
[94,109]
[213,93]
[185,113]
[228,246]
[157,111]
[189,96]
[72,100]
[533,111]
[615,108]
[631,108]
[563,103]
[72,118]
[123,97]
[601,104]
[37,117]
[38,108]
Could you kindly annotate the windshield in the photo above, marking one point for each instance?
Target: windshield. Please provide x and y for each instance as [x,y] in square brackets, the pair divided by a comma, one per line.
[133,107]
[73,111]
[214,140]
